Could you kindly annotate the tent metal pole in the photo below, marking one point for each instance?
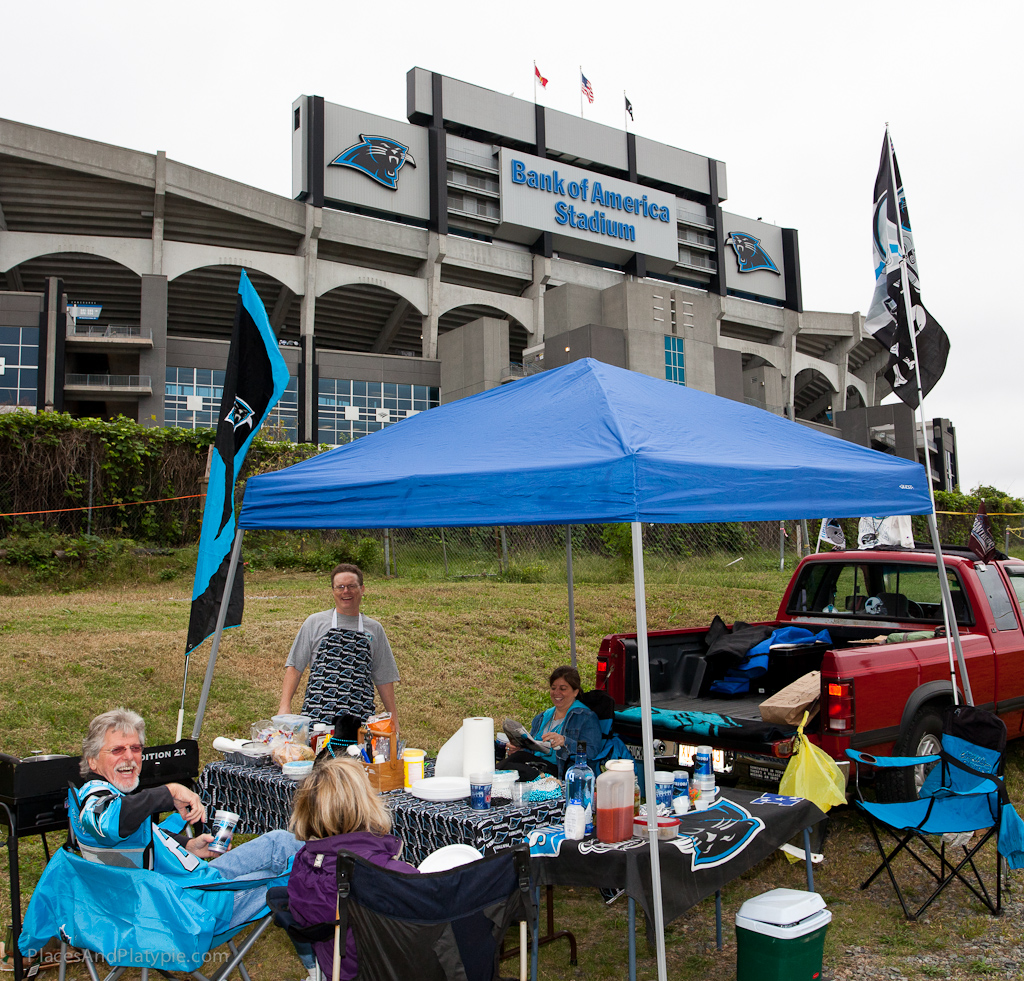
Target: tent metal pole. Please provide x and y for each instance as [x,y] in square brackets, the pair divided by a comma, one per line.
[949,619]
[572,597]
[647,729]
[222,613]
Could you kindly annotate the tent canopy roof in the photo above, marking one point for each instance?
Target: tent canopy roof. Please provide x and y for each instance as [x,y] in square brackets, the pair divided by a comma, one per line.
[585,443]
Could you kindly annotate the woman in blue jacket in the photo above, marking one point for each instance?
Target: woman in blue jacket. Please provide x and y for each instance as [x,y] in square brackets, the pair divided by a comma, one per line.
[562,726]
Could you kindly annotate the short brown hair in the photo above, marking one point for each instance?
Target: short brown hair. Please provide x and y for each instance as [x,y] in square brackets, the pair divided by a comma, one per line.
[571,675]
[348,567]
[335,799]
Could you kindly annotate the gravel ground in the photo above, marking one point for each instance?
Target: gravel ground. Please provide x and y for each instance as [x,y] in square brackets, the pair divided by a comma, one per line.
[997,953]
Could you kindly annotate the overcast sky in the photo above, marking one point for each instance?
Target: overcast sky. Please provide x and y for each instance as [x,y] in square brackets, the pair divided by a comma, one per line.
[793,96]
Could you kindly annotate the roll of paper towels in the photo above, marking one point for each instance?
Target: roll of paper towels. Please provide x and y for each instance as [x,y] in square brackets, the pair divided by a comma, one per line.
[224,745]
[477,746]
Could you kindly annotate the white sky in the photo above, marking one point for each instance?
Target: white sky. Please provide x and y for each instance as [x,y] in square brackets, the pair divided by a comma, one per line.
[793,96]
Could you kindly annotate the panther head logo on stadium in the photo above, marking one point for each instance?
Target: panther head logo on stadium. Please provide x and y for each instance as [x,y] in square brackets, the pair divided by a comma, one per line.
[377,157]
[749,254]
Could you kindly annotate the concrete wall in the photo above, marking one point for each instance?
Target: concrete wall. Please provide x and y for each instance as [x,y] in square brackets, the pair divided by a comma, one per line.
[729,374]
[570,306]
[154,361]
[472,357]
[606,344]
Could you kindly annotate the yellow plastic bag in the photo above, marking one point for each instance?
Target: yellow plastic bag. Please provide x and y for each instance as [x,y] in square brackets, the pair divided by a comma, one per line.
[812,774]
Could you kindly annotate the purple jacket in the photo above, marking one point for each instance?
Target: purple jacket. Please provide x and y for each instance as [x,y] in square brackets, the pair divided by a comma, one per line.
[313,889]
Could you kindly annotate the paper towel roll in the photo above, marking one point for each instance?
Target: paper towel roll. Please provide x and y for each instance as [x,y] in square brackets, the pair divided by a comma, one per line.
[477,746]
[449,758]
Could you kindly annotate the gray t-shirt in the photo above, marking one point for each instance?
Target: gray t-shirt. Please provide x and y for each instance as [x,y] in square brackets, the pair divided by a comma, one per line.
[382,662]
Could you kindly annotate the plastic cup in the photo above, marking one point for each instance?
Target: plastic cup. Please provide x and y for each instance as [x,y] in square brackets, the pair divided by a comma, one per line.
[520,795]
[412,763]
[480,791]
[223,829]
[663,783]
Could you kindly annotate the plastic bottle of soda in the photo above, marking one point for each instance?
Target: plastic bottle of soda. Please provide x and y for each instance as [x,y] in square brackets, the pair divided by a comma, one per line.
[579,791]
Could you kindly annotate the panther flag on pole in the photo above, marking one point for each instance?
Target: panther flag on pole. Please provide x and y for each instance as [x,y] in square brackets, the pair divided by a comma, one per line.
[832,532]
[255,379]
[982,541]
[887,319]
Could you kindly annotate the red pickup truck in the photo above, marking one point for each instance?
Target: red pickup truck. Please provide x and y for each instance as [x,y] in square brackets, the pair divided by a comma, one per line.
[876,696]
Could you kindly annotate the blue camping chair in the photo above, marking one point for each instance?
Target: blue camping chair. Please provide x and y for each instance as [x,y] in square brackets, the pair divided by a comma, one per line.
[964,791]
[134,917]
[603,706]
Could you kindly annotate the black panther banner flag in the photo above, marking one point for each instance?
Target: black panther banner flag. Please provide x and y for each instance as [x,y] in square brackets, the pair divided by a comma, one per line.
[893,241]
[255,379]
[982,541]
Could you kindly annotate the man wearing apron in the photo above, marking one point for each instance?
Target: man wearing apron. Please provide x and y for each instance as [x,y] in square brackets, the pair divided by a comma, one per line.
[347,655]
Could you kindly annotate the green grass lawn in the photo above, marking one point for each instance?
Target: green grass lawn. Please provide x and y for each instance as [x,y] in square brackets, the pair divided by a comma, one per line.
[474,647]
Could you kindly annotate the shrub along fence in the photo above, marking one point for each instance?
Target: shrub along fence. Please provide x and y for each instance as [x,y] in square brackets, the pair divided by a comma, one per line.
[119,480]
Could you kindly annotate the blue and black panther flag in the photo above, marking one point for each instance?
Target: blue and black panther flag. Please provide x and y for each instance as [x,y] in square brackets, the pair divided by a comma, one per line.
[887,319]
[255,379]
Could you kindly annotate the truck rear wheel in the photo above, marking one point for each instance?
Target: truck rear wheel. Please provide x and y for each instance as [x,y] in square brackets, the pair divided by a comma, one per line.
[923,737]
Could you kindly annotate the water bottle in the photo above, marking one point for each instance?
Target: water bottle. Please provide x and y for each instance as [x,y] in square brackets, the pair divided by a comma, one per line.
[579,792]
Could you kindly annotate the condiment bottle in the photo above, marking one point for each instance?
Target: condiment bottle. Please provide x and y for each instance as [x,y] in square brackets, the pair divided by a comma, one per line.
[614,801]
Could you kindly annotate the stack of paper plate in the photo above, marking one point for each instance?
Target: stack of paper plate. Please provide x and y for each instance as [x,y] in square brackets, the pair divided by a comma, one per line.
[440,788]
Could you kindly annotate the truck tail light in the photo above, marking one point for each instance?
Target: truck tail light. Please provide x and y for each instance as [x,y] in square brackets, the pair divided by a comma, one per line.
[601,682]
[839,706]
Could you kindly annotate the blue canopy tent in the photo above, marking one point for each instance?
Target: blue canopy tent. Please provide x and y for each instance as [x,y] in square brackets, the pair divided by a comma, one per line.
[587,443]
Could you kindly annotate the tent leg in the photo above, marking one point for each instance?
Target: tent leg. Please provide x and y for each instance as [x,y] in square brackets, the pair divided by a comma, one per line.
[222,613]
[572,596]
[648,741]
[949,618]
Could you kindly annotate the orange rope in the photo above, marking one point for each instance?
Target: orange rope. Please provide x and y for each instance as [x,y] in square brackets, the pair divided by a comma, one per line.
[96,507]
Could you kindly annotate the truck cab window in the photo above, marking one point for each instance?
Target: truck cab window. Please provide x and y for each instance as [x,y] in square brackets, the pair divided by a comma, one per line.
[1016,574]
[1002,608]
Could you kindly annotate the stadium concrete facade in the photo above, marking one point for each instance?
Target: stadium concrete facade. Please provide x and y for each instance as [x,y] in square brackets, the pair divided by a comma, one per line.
[415,262]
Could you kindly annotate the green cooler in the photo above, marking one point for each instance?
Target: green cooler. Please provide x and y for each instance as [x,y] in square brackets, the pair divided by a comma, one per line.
[780,936]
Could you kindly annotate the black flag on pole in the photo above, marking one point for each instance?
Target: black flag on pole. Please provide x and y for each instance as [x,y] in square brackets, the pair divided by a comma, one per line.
[255,379]
[893,240]
[982,541]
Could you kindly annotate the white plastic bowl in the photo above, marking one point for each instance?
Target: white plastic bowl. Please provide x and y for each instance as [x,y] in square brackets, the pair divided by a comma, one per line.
[297,770]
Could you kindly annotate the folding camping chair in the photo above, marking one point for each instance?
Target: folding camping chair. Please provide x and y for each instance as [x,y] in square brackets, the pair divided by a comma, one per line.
[134,917]
[603,706]
[964,792]
[432,926]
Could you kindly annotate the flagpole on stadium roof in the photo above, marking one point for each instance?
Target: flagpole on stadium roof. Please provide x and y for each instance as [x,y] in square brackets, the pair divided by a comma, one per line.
[948,615]
[535,81]
[581,91]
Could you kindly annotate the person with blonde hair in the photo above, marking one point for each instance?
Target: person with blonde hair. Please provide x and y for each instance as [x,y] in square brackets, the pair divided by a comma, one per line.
[336,810]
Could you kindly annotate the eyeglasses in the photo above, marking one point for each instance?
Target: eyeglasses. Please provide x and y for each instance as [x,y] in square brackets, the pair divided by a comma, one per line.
[347,588]
[119,751]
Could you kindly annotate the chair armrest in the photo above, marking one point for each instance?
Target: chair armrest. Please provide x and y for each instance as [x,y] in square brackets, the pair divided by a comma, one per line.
[889,761]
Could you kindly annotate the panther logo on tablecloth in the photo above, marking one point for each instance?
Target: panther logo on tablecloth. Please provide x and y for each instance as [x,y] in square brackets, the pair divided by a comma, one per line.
[717,835]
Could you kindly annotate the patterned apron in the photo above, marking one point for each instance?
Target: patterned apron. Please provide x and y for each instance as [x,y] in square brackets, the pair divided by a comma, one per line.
[339,675]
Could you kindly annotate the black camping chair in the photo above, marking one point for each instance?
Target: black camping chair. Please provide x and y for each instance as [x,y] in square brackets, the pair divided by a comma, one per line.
[963,793]
[433,926]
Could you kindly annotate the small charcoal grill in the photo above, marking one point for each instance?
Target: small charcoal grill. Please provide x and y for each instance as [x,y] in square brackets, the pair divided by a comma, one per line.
[34,793]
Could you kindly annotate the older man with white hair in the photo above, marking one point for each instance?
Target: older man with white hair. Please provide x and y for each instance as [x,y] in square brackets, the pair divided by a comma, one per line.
[110,812]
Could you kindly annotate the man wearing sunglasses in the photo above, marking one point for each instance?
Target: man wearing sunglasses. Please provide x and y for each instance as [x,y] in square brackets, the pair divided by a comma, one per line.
[347,654]
[115,823]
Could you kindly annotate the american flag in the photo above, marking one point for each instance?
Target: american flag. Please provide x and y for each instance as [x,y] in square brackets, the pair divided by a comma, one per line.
[587,90]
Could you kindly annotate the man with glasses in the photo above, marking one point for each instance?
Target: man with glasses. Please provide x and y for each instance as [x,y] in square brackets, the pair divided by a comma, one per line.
[347,655]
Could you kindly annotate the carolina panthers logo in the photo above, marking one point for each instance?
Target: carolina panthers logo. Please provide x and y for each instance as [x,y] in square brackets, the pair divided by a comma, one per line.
[377,157]
[717,835]
[240,414]
[749,254]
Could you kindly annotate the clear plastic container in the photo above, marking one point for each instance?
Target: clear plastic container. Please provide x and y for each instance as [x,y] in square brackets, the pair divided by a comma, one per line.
[614,801]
